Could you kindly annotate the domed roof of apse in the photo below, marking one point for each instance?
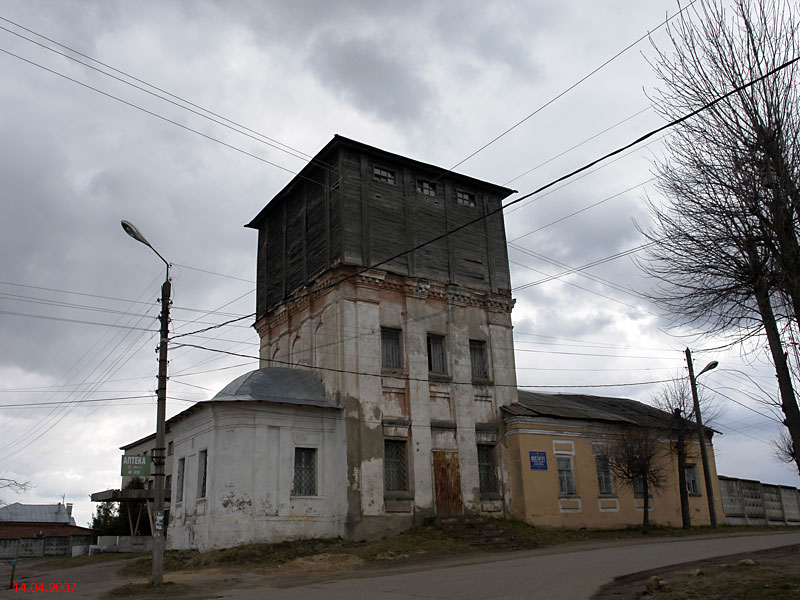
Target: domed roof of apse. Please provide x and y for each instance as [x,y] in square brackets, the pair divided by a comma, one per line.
[276,384]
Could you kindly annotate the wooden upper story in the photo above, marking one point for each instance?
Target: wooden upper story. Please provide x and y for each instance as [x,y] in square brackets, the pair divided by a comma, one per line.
[355,204]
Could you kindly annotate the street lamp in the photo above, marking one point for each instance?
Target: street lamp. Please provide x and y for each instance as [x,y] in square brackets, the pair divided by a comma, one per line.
[158,455]
[712,511]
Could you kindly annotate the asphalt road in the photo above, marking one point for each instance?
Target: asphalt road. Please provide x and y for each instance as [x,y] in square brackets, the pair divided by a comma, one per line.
[562,576]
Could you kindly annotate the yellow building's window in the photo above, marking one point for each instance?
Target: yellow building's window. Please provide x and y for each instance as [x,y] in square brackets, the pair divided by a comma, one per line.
[566,475]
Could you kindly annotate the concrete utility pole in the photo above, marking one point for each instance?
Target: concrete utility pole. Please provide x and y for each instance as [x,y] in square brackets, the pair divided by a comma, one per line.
[159,452]
[712,511]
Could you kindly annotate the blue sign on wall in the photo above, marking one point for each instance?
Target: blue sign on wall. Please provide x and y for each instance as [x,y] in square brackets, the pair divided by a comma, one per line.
[538,461]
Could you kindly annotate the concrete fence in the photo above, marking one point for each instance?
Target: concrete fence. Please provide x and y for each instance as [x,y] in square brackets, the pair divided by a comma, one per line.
[35,547]
[750,502]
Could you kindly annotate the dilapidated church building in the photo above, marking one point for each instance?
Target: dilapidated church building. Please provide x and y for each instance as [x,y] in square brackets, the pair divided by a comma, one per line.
[413,352]
[386,392]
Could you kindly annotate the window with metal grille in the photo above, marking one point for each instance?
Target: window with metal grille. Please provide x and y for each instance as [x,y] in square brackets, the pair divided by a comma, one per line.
[391,349]
[465,198]
[692,480]
[427,188]
[202,471]
[486,474]
[436,353]
[179,491]
[477,357]
[305,471]
[605,482]
[395,467]
[566,476]
[384,175]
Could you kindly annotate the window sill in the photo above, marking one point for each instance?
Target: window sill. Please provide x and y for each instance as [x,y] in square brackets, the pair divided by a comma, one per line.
[608,496]
[439,377]
[696,495]
[489,496]
[482,381]
[387,372]
[398,495]
[569,497]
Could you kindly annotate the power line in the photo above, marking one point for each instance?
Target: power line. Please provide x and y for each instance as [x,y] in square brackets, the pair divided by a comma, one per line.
[540,189]
[350,372]
[578,145]
[111,325]
[584,209]
[76,402]
[571,87]
[303,156]
[586,266]
[158,116]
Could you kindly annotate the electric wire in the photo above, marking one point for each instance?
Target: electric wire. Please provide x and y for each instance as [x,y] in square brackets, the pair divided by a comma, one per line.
[552,183]
[571,87]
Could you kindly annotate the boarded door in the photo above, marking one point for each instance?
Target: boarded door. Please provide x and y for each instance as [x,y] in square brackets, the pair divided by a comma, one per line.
[447,482]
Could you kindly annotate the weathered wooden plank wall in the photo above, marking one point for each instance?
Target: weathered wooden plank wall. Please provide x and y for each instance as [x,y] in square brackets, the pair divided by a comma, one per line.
[347,215]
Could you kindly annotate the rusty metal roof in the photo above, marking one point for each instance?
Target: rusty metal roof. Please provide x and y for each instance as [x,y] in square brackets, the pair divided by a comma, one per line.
[589,408]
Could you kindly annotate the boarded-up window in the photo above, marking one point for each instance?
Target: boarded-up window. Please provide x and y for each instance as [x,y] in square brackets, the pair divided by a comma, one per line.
[395,467]
[426,188]
[605,483]
[179,491]
[486,471]
[202,472]
[391,349]
[477,357]
[566,476]
[436,353]
[305,472]
[465,198]
[384,175]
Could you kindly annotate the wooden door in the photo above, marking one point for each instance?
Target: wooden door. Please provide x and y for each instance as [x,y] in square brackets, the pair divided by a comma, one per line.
[447,484]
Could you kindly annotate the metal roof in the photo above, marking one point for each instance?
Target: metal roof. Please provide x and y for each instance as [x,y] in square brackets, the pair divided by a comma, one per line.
[591,408]
[36,513]
[276,384]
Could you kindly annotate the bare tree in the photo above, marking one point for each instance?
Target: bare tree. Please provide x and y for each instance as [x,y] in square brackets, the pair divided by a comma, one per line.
[634,460]
[727,238]
[675,398]
[14,485]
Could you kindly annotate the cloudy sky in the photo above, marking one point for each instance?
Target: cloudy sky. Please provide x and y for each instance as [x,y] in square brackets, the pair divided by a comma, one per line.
[85,145]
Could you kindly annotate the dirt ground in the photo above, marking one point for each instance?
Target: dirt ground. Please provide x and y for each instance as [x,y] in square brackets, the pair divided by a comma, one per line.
[767,575]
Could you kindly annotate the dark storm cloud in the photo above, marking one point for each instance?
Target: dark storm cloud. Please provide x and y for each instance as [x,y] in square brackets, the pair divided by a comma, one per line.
[371,77]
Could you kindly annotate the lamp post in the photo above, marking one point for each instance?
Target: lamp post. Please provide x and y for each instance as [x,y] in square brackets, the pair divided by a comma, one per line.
[712,511]
[158,455]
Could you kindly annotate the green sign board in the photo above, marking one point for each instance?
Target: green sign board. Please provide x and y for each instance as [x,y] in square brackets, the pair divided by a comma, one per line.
[134,465]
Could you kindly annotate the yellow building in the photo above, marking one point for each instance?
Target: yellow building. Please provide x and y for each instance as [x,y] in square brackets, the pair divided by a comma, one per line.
[560,447]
